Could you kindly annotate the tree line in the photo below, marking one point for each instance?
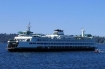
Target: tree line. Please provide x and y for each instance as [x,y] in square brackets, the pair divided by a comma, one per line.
[5,37]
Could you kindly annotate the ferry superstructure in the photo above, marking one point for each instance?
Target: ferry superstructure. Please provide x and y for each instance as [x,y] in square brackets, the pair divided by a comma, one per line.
[58,41]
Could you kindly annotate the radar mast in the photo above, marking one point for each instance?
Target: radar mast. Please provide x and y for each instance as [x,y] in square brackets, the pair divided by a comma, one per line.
[28,27]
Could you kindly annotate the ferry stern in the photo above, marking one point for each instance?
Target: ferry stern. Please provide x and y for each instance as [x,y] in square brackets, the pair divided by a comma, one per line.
[12,44]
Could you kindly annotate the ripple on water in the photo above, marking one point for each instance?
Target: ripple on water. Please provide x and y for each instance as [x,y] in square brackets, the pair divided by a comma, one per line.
[51,60]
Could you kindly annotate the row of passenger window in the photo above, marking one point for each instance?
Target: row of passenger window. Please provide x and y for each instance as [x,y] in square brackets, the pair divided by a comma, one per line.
[68,40]
[65,43]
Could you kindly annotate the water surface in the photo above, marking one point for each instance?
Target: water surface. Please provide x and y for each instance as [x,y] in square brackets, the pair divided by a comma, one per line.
[51,60]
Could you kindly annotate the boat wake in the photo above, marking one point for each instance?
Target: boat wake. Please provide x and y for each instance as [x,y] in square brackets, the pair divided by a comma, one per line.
[100,50]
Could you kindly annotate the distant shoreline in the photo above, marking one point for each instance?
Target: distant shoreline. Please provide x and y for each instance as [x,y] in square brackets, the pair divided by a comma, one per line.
[5,37]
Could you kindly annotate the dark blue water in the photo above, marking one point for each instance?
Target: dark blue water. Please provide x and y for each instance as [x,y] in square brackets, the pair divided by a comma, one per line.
[51,60]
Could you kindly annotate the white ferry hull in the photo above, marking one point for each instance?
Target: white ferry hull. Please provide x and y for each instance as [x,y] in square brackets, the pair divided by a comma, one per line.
[27,47]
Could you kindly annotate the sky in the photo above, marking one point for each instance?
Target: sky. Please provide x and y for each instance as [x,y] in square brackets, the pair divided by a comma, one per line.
[47,15]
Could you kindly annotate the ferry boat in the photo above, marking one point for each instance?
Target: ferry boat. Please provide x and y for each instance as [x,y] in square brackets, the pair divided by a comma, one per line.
[58,41]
